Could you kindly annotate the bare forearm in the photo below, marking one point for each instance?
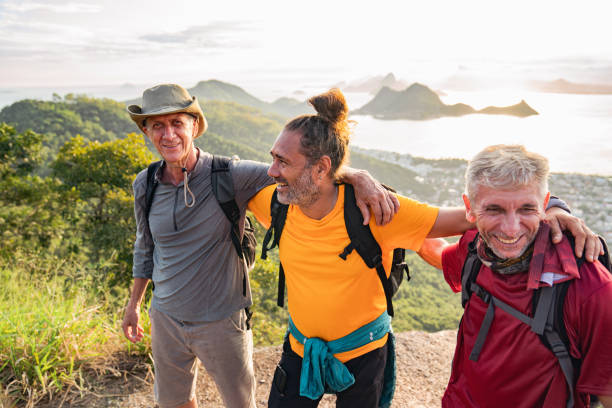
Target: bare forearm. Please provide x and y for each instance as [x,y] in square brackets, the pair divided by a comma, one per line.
[348,174]
[450,221]
[138,290]
[431,251]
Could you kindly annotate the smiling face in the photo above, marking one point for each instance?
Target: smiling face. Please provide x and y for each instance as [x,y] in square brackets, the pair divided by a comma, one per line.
[292,172]
[507,220]
[172,135]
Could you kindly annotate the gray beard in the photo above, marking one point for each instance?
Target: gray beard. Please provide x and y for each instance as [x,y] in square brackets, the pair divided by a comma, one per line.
[303,193]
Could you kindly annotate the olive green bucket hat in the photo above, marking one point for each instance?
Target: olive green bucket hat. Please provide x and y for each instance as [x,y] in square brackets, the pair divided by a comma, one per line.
[166,99]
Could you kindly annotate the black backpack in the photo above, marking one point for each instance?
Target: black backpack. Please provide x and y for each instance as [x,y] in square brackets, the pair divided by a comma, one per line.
[223,190]
[547,321]
[361,238]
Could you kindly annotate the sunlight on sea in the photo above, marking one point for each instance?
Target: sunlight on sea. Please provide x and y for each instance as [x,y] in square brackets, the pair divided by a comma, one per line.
[573,131]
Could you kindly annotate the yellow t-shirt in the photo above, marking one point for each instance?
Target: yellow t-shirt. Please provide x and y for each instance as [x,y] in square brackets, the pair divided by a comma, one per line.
[329,297]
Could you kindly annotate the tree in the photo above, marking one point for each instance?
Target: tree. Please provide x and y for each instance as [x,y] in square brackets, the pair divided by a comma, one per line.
[31,208]
[19,152]
[102,175]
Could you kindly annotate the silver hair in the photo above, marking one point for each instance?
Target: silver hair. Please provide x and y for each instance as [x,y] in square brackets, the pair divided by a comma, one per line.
[506,167]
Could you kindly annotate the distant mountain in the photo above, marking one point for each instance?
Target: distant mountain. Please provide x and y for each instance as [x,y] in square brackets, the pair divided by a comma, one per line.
[418,102]
[374,84]
[225,92]
[521,109]
[214,90]
[563,86]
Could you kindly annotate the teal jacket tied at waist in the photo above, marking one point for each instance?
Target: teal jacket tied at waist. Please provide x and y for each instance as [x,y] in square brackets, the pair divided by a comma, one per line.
[322,371]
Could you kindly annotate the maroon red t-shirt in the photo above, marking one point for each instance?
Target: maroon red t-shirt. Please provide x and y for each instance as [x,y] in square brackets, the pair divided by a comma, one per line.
[515,369]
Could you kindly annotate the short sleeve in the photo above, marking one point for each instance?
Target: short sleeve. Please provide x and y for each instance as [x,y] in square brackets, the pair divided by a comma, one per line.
[249,177]
[410,226]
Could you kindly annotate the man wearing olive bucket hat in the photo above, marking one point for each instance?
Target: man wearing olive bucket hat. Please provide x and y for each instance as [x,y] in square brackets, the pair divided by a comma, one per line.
[183,245]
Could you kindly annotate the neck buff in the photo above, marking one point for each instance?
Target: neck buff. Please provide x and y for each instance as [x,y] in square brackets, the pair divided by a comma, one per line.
[503,266]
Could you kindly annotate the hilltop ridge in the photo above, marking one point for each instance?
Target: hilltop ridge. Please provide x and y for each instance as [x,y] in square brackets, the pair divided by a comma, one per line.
[215,90]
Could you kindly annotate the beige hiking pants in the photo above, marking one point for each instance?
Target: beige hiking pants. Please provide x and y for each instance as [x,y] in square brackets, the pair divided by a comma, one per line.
[225,348]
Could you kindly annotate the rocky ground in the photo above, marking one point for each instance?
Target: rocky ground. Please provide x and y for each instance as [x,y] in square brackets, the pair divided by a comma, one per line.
[423,364]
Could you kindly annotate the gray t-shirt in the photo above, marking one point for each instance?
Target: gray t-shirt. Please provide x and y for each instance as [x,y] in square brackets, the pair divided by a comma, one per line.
[188,252]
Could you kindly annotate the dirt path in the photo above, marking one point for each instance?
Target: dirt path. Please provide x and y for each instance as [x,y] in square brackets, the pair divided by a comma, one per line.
[423,368]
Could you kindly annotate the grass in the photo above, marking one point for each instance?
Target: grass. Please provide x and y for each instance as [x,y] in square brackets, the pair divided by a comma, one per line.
[58,325]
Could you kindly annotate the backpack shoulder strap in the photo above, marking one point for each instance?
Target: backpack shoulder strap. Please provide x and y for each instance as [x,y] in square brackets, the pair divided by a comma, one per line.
[151,186]
[278,212]
[555,337]
[364,243]
[469,273]
[223,190]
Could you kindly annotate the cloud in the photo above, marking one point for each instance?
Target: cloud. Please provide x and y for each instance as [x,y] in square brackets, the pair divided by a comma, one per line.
[67,8]
[214,35]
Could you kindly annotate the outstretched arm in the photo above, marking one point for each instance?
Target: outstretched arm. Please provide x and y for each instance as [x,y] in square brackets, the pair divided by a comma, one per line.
[450,221]
[370,194]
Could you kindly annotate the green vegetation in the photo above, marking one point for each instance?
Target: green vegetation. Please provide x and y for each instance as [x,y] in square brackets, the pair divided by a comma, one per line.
[61,119]
[65,259]
[58,325]
[425,302]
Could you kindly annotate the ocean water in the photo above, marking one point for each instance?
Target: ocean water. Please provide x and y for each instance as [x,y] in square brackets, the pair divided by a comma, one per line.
[573,131]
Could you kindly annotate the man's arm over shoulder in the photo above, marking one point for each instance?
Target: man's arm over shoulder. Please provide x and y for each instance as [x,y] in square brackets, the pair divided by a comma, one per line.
[588,319]
[450,221]
[142,265]
[249,177]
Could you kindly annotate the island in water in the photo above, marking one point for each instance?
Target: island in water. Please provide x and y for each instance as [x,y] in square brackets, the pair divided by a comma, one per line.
[418,102]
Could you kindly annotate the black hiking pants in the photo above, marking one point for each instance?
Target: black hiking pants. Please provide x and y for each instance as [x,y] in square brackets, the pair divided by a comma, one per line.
[368,370]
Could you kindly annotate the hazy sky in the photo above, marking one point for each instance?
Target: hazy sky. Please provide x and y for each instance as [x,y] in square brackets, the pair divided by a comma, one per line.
[293,44]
